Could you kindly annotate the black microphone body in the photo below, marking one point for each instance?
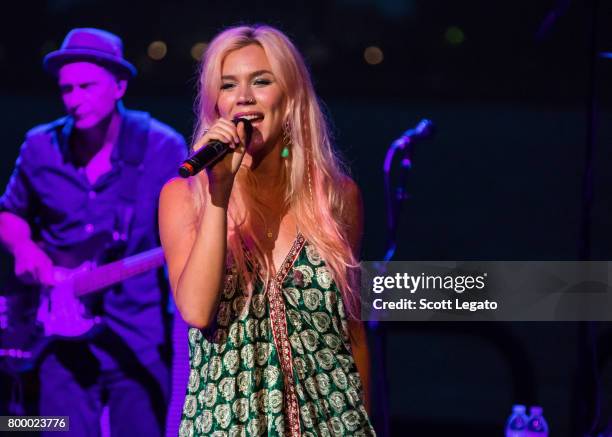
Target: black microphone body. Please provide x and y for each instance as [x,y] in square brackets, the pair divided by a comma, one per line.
[211,153]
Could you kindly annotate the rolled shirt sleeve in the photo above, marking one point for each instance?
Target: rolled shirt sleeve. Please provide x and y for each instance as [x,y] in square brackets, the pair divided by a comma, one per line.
[17,198]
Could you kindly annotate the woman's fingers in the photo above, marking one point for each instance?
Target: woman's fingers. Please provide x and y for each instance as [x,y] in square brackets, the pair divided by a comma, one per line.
[229,131]
[222,130]
[241,130]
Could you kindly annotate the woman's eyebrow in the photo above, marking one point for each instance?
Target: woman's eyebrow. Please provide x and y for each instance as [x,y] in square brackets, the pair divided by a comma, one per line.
[253,74]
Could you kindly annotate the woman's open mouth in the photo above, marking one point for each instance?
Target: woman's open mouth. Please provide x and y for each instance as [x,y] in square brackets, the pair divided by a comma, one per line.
[253,117]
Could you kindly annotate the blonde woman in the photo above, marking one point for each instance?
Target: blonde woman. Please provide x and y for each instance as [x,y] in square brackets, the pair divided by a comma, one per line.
[261,250]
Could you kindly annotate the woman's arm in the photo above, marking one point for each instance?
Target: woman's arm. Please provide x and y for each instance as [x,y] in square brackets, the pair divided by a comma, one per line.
[195,251]
[353,216]
[195,244]
[361,354]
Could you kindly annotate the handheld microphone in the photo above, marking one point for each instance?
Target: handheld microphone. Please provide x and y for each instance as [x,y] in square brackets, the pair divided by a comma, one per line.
[211,153]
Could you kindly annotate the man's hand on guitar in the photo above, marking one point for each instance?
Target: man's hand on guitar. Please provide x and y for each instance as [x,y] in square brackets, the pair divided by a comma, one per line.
[32,265]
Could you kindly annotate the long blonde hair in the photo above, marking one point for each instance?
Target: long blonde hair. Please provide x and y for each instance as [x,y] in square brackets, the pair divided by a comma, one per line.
[314,176]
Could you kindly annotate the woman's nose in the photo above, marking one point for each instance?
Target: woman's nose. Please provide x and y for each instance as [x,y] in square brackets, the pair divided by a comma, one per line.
[246,98]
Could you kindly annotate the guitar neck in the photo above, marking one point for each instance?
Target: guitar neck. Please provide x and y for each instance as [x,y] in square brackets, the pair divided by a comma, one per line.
[115,272]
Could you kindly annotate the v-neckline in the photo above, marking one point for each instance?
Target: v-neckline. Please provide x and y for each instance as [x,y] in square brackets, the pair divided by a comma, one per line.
[288,260]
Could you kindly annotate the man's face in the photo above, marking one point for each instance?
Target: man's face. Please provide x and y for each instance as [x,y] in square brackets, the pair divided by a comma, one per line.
[90,92]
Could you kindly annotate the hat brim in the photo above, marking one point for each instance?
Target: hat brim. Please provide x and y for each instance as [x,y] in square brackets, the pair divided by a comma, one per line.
[55,60]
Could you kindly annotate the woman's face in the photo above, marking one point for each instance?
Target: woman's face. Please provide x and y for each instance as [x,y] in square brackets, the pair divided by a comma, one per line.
[250,90]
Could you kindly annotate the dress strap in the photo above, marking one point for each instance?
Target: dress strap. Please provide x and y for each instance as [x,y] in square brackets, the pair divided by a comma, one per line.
[278,320]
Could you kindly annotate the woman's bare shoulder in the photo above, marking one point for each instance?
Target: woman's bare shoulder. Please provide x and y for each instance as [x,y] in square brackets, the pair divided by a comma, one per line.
[176,190]
[352,213]
[178,196]
[177,212]
[352,192]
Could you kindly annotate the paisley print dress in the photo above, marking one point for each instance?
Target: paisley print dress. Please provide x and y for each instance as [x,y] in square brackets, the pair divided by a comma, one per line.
[278,363]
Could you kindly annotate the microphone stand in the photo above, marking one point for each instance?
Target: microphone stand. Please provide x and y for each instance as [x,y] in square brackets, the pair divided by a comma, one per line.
[395,200]
[395,197]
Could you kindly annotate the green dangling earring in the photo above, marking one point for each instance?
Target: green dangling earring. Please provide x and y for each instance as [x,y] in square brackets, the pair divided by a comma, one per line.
[286,139]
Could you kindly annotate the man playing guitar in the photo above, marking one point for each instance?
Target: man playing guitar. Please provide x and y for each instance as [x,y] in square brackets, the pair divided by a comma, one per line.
[84,190]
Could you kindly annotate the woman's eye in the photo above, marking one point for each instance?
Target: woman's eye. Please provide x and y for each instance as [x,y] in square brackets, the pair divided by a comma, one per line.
[227,86]
[262,82]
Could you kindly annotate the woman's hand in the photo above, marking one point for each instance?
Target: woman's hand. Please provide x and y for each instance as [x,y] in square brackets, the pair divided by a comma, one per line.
[221,175]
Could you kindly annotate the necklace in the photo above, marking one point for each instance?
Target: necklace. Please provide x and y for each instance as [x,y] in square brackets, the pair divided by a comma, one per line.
[268,228]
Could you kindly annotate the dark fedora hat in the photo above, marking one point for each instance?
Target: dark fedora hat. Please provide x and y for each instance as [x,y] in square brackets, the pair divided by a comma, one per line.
[90,45]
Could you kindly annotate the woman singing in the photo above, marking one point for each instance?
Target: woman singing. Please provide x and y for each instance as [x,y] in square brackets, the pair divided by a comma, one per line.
[262,252]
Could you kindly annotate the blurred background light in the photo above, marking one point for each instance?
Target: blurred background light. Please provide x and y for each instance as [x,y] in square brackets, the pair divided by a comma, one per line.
[198,49]
[373,55]
[157,50]
[454,35]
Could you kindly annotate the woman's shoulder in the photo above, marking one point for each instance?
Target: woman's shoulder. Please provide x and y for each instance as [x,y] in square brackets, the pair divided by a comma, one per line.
[177,194]
[350,190]
[352,212]
[176,188]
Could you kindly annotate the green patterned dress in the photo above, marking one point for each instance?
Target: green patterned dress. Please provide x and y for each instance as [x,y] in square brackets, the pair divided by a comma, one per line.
[279,364]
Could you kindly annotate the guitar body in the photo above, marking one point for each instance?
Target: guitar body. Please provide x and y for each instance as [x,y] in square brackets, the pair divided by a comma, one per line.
[60,312]
[71,309]
[38,315]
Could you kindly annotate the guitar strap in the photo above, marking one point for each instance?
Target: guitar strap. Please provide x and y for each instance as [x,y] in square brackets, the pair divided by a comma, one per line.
[133,143]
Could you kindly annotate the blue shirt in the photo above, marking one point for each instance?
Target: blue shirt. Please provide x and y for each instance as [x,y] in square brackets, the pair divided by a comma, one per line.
[63,208]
